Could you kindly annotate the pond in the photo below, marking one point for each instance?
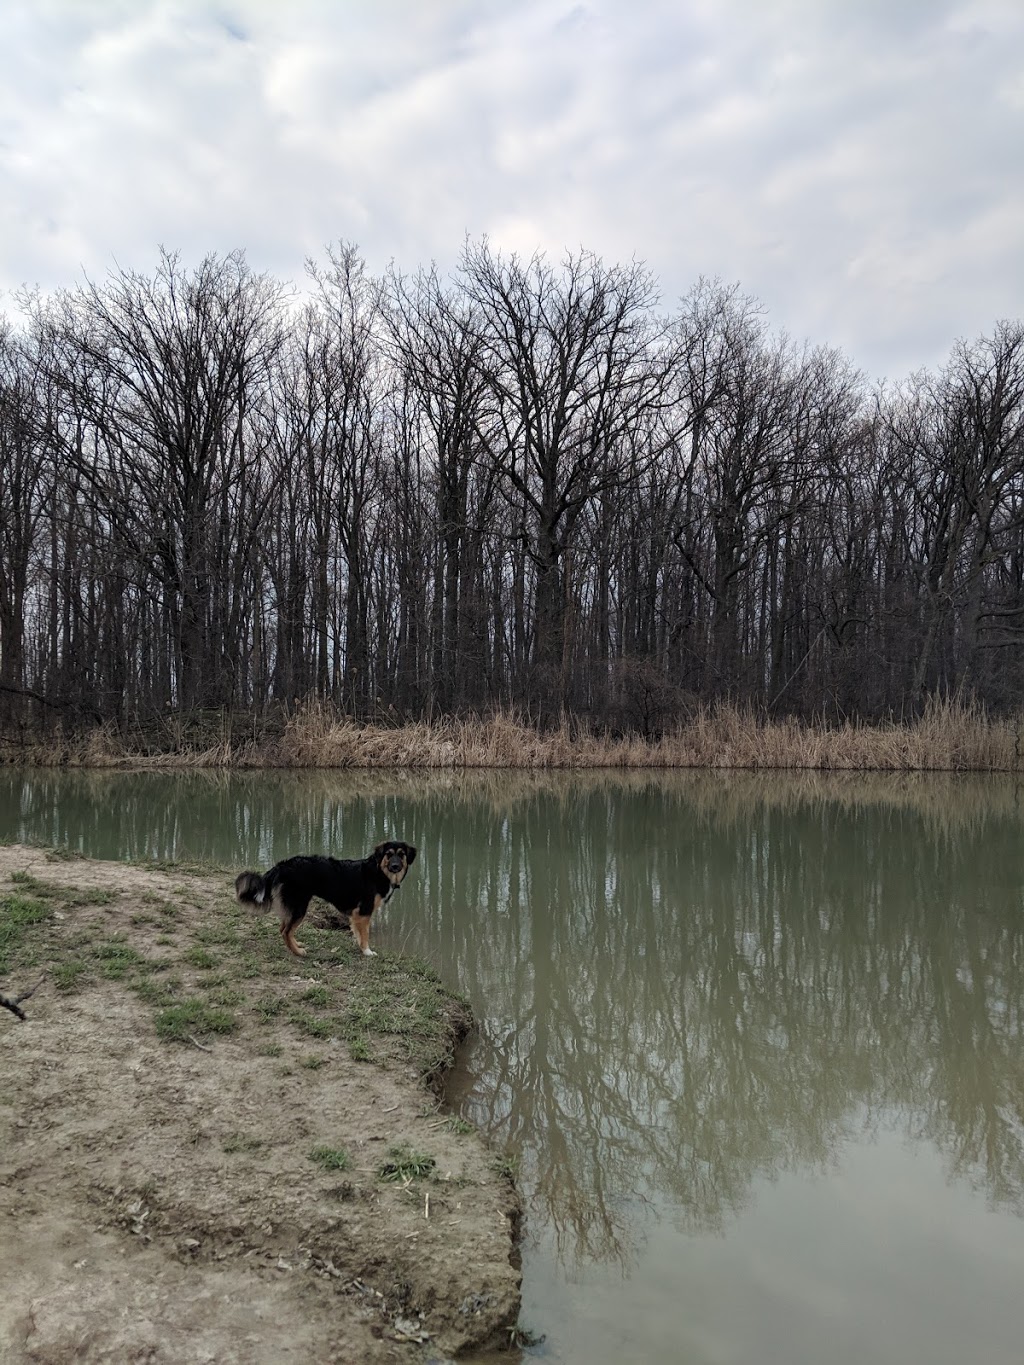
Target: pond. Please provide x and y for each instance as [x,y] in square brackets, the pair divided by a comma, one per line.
[754,1043]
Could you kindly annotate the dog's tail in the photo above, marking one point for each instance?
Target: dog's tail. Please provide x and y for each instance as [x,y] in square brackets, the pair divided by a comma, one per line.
[251,888]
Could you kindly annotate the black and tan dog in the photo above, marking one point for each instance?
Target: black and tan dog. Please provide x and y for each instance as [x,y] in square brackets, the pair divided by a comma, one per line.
[355,886]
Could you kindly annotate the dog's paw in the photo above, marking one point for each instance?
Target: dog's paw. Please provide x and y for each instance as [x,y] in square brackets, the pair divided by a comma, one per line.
[368,952]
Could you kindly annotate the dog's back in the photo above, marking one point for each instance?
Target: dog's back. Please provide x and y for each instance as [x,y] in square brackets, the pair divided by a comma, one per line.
[341,881]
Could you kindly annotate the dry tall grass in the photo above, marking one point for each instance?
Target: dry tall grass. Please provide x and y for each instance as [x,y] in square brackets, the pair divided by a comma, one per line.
[951,736]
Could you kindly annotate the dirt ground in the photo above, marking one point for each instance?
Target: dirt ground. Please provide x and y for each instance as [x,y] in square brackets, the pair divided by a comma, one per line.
[160,1200]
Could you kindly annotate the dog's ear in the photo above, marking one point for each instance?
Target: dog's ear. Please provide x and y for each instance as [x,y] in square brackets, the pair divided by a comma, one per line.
[378,852]
[410,854]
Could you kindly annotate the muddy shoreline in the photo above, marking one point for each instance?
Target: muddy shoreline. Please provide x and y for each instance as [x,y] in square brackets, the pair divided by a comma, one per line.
[211,1152]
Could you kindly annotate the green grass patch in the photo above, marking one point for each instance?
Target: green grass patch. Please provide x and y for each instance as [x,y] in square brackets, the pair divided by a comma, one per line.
[65,895]
[330,1158]
[381,1008]
[228,996]
[93,895]
[199,957]
[20,914]
[219,934]
[315,1025]
[191,1018]
[21,910]
[221,981]
[270,1007]
[313,1063]
[405,1163]
[70,976]
[403,1001]
[157,992]
[119,960]
[507,1166]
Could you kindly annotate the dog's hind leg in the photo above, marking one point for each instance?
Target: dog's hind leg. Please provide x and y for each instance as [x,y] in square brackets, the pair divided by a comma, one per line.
[292,910]
[288,928]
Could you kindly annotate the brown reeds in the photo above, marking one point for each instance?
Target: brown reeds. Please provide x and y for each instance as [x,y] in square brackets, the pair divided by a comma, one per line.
[950,736]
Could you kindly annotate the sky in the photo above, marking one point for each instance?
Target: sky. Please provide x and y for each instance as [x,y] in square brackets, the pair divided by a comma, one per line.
[857,165]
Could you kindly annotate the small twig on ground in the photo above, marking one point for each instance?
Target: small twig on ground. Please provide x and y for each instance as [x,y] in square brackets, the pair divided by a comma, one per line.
[196,1043]
[14,1003]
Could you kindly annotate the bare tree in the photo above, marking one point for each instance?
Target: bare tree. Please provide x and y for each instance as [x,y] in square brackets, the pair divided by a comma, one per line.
[25,468]
[518,486]
[163,370]
[572,361]
[437,340]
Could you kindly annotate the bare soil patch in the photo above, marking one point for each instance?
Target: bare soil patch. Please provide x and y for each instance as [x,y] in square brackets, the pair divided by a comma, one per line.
[193,1130]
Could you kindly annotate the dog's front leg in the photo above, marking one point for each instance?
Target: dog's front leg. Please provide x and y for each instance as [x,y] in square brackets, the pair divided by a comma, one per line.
[361,930]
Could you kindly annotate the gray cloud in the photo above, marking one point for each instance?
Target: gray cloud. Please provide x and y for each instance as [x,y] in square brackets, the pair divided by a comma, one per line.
[855,166]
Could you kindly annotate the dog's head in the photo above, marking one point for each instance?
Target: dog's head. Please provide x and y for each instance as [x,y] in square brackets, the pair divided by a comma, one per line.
[394,858]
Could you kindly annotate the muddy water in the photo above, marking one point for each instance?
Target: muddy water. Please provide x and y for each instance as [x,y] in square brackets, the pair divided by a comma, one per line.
[755,1044]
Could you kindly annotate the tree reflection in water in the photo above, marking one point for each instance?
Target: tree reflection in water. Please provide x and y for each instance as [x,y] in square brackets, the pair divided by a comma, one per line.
[685,983]
[705,983]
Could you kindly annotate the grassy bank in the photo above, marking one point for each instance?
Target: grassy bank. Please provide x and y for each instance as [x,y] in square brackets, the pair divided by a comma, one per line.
[226,972]
[240,1126]
[950,736]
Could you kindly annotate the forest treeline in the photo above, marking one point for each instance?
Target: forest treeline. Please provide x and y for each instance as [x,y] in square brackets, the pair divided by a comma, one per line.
[524,486]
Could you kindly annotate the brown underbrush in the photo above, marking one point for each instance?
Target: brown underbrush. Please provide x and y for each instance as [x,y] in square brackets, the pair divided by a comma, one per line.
[949,736]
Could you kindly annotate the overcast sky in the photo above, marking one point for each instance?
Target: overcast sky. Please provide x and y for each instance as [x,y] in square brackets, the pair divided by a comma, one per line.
[856,164]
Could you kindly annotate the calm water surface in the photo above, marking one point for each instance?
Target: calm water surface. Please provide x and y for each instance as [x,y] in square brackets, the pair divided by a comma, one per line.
[754,1042]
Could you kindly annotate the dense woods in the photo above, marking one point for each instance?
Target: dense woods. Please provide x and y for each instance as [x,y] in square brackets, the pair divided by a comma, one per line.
[526,486]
